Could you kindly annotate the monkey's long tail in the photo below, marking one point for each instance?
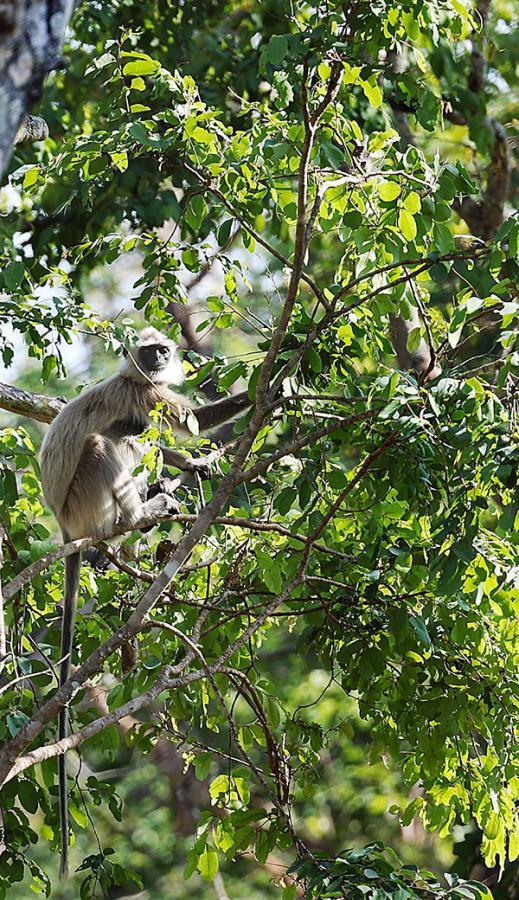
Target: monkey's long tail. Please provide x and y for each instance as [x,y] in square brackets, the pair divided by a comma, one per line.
[72,569]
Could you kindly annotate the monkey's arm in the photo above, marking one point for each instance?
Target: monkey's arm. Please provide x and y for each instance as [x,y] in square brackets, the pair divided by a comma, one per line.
[213,414]
[179,461]
[209,416]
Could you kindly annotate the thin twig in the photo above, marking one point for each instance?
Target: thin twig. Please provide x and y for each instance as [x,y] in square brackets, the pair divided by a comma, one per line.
[3,639]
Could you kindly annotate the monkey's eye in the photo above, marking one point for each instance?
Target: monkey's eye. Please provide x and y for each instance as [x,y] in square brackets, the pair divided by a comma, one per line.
[125,352]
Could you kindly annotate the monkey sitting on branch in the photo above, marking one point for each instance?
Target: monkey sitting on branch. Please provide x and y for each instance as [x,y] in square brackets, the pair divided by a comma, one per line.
[87,459]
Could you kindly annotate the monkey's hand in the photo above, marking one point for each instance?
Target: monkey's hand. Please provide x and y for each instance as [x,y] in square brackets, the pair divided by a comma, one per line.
[205,466]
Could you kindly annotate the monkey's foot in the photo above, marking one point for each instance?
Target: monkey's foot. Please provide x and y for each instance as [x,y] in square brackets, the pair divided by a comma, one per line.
[159,506]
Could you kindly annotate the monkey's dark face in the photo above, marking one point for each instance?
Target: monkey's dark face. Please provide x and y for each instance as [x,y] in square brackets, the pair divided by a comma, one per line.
[154,357]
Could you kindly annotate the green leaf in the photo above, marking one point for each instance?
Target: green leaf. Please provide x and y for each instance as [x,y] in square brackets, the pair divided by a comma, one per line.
[407,224]
[28,796]
[203,766]
[208,863]
[253,380]
[13,274]
[141,67]
[513,846]
[271,571]
[429,110]
[413,202]
[443,238]
[190,259]
[196,212]
[192,423]
[284,90]
[120,160]
[285,500]
[389,190]
[351,73]
[372,91]
[289,893]
[345,334]
[224,231]
[492,826]
[420,630]
[314,359]
[191,863]
[277,49]
[215,304]
[15,721]
[413,339]
[263,846]
[78,815]
[31,176]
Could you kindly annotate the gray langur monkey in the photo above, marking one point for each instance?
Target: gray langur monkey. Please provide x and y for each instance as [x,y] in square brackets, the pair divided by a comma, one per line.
[87,459]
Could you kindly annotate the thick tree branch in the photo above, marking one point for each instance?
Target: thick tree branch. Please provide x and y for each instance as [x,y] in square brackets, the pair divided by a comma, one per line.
[27,403]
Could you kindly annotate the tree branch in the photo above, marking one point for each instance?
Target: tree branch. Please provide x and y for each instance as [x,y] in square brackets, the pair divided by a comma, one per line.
[27,403]
[170,677]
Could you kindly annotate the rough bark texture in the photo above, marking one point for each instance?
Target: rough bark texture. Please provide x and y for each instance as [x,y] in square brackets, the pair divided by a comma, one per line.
[31,32]
[27,403]
[484,216]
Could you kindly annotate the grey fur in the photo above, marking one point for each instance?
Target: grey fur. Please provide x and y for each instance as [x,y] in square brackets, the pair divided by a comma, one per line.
[88,453]
[87,460]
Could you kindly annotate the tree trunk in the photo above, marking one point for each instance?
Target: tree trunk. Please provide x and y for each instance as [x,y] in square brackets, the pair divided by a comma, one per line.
[31,33]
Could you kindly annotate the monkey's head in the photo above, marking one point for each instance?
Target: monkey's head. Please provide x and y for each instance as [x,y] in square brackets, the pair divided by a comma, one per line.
[154,358]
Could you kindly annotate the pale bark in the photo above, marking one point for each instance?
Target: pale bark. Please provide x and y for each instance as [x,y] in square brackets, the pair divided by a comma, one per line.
[31,34]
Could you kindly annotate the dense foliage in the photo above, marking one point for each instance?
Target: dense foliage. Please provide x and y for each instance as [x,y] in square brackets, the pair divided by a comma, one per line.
[355,582]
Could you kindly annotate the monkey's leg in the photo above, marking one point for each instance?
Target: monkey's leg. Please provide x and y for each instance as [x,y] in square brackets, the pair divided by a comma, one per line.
[103,493]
